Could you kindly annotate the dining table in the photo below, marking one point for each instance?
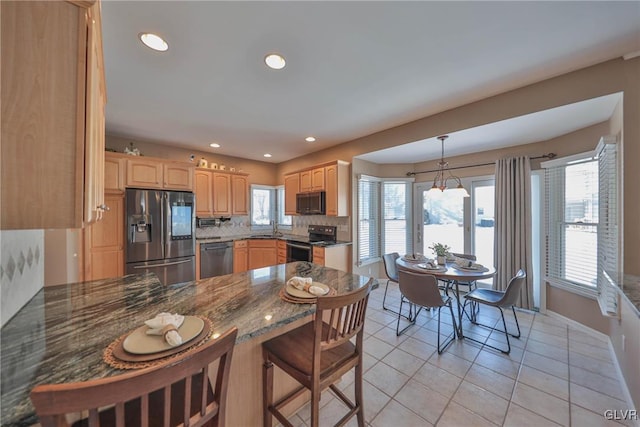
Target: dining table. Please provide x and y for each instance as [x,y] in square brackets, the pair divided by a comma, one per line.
[451,272]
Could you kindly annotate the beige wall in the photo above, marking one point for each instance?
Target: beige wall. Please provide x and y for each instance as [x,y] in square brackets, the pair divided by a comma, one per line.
[259,172]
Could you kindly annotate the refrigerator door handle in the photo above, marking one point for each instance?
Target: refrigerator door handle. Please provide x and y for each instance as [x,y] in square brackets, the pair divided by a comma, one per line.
[162,265]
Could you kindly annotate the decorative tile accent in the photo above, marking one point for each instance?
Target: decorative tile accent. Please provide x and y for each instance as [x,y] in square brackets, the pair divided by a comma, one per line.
[22,272]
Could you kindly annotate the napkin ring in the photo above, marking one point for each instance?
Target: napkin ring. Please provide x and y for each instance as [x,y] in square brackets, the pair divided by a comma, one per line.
[164,331]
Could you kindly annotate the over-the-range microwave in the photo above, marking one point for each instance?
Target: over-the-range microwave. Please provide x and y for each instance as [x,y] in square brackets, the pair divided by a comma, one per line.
[311,203]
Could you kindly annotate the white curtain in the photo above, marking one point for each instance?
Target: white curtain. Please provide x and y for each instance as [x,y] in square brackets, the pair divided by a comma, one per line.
[513,247]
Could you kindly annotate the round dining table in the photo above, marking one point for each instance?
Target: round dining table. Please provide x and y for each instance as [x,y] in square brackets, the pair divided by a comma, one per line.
[449,272]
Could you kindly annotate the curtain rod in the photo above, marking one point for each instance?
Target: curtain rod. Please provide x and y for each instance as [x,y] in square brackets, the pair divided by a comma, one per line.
[544,156]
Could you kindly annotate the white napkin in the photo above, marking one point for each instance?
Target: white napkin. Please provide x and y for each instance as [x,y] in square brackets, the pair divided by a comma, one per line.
[305,284]
[166,324]
[414,257]
[432,264]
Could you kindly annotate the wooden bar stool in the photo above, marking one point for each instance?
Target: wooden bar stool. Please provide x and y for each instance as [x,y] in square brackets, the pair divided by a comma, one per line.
[161,395]
[319,353]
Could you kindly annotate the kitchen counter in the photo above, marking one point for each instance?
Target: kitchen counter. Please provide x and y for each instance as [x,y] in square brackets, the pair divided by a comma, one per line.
[285,237]
[59,336]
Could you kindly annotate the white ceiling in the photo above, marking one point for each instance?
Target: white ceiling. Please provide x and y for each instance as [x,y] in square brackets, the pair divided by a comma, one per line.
[353,68]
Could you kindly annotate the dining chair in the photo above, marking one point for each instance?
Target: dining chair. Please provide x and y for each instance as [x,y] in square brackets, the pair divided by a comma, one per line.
[317,354]
[174,393]
[500,300]
[422,291]
[391,270]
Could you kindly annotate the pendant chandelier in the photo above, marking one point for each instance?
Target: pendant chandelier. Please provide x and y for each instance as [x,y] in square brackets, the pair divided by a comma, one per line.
[440,180]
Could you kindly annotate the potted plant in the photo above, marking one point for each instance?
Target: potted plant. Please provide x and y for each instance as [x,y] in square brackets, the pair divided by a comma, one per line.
[441,251]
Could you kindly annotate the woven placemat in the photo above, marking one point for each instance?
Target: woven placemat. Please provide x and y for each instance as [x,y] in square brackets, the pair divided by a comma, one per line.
[284,296]
[112,360]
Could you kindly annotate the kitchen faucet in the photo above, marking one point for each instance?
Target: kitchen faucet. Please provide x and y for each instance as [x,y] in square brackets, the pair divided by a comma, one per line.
[274,225]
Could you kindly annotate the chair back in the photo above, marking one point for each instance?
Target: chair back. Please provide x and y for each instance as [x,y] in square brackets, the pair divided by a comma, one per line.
[421,289]
[470,257]
[512,293]
[339,318]
[390,267]
[53,401]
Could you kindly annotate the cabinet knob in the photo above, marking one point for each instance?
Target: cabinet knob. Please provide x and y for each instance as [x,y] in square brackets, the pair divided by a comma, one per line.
[103,207]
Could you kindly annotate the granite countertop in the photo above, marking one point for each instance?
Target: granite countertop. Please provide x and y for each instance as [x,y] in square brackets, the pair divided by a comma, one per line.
[59,336]
[285,237]
[631,291]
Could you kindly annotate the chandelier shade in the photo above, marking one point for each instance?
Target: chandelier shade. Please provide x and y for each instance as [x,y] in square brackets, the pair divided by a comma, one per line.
[444,175]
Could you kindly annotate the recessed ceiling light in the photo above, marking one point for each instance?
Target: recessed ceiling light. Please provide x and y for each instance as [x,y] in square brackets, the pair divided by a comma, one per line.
[275,61]
[310,139]
[154,41]
[214,145]
[267,155]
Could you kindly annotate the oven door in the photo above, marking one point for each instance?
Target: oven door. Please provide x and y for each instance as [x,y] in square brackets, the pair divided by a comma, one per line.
[299,252]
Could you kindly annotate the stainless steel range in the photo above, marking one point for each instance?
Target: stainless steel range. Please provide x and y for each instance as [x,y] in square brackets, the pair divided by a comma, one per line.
[302,250]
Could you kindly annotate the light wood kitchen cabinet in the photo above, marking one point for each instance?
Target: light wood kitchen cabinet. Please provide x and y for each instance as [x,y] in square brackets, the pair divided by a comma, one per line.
[317,179]
[52,114]
[305,181]
[114,165]
[318,255]
[262,253]
[144,173]
[337,189]
[178,177]
[282,251]
[203,192]
[154,173]
[104,242]
[240,256]
[240,194]
[221,194]
[291,188]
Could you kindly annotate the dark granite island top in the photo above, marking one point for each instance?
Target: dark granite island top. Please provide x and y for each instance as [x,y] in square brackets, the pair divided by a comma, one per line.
[60,335]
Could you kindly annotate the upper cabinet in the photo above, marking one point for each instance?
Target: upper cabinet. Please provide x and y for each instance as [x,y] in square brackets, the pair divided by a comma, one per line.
[52,117]
[312,180]
[221,193]
[291,188]
[114,165]
[333,178]
[151,173]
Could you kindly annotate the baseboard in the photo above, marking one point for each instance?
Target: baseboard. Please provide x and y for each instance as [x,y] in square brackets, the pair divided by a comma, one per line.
[598,334]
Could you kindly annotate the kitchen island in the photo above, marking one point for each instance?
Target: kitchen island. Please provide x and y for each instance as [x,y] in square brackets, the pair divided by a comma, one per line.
[60,335]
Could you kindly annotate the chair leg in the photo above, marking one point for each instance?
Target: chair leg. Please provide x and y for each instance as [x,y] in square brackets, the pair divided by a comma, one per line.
[384,298]
[506,333]
[453,335]
[267,393]
[411,318]
[315,407]
[517,324]
[358,394]
[504,324]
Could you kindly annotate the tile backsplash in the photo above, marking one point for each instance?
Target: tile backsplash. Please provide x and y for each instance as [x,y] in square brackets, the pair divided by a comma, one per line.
[241,226]
[21,269]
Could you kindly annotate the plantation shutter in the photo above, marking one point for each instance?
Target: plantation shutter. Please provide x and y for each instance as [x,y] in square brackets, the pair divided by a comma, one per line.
[368,219]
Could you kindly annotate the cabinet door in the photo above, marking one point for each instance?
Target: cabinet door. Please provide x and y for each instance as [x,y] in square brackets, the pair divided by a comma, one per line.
[317,179]
[240,260]
[178,177]
[291,188]
[318,255]
[105,242]
[204,193]
[282,252]
[331,177]
[305,181]
[113,174]
[337,189]
[144,173]
[240,196]
[221,194]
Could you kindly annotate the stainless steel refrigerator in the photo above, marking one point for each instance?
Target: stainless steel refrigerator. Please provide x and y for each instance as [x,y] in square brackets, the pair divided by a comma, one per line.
[160,231]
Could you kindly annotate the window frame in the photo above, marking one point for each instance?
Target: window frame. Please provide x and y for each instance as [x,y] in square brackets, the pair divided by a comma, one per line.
[378,215]
[274,211]
[559,282]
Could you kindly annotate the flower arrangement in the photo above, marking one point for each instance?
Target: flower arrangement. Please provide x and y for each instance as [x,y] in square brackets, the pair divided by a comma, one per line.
[440,249]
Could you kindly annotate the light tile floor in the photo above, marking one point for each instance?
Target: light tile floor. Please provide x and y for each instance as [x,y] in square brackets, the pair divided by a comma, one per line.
[556,374]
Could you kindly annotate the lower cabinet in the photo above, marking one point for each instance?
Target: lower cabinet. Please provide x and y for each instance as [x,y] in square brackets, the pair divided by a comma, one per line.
[262,253]
[282,252]
[240,256]
[104,242]
[318,255]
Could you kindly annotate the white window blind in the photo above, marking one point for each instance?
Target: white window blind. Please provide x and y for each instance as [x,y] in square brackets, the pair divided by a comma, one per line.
[608,244]
[368,219]
[572,224]
[397,217]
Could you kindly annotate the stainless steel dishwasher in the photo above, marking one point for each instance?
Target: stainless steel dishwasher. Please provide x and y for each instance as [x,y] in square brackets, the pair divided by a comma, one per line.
[216,259]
